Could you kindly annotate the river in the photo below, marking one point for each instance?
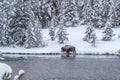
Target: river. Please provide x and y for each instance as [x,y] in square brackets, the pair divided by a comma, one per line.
[55,68]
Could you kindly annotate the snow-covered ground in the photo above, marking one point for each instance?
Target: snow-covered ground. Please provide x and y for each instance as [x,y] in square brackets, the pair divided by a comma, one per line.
[4,68]
[75,36]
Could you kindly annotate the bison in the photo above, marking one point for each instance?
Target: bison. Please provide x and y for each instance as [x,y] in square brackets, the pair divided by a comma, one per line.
[68,49]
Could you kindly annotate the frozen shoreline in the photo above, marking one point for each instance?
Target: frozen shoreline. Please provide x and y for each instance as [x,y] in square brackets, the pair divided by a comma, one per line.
[59,53]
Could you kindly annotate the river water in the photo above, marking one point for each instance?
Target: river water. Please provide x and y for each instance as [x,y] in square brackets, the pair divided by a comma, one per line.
[56,68]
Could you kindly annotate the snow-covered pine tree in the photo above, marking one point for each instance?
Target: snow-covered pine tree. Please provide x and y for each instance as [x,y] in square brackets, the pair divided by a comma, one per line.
[17,29]
[6,11]
[62,33]
[30,41]
[117,10]
[62,18]
[23,26]
[93,39]
[97,8]
[1,24]
[112,15]
[19,23]
[106,4]
[79,8]
[33,27]
[90,36]
[88,32]
[54,13]
[70,13]
[87,12]
[42,10]
[108,32]
[38,34]
[34,39]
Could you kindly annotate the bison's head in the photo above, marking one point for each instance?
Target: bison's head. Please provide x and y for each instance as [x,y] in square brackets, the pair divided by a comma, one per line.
[62,49]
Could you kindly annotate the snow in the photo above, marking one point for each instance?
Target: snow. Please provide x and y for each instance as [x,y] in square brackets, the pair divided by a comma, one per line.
[16,77]
[1,58]
[21,72]
[4,68]
[75,36]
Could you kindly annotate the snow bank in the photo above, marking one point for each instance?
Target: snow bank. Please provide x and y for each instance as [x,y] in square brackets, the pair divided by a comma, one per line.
[20,75]
[4,68]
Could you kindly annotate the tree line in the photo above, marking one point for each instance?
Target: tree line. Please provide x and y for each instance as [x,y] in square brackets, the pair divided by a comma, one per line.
[21,21]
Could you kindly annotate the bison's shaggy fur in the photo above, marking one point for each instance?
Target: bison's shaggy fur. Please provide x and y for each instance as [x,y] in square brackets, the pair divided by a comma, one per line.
[68,49]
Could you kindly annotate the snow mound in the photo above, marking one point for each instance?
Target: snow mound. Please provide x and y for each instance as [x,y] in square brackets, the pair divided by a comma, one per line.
[4,68]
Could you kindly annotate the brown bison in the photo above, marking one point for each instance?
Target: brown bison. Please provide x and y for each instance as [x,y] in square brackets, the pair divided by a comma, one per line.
[68,49]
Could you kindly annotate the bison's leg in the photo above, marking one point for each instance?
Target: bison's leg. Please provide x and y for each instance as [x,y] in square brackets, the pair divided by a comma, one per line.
[68,53]
[74,53]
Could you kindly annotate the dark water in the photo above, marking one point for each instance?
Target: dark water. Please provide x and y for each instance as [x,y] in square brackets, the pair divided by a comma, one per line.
[82,68]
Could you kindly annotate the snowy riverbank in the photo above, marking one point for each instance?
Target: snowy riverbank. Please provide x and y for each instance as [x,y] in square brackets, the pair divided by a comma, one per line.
[75,36]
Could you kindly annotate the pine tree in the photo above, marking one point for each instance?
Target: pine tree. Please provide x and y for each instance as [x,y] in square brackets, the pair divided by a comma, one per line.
[112,15]
[24,28]
[106,4]
[117,10]
[17,28]
[19,23]
[30,41]
[93,39]
[88,33]
[54,13]
[90,36]
[79,8]
[62,33]
[6,11]
[42,10]
[33,31]
[70,13]
[97,8]
[87,11]
[108,32]
[38,34]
